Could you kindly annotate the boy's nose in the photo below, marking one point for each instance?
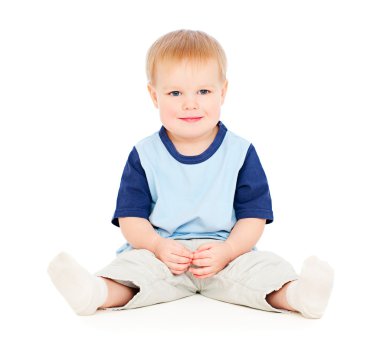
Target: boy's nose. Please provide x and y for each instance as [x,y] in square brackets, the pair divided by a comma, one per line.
[190,104]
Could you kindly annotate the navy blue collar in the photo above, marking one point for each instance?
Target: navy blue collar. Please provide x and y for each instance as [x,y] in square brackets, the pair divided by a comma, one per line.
[194,159]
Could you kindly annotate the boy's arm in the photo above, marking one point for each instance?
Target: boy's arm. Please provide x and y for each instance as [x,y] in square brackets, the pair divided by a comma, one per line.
[245,235]
[139,232]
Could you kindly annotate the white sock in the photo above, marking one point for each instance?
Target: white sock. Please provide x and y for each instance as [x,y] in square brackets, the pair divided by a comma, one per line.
[84,292]
[310,294]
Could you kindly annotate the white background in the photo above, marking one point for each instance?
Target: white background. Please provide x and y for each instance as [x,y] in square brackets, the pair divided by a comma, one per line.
[303,87]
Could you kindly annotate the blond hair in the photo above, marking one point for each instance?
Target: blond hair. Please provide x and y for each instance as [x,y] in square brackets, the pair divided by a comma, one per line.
[183,44]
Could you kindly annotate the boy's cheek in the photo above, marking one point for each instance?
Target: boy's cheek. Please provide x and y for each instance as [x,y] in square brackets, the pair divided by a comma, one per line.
[168,112]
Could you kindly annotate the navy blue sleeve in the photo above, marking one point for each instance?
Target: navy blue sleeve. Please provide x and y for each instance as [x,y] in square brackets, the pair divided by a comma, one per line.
[252,196]
[134,198]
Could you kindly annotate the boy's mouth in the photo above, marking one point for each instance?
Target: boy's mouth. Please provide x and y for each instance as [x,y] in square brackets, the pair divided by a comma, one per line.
[192,119]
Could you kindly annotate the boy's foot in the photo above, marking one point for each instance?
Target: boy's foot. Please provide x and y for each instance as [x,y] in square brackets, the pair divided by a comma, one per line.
[309,295]
[83,291]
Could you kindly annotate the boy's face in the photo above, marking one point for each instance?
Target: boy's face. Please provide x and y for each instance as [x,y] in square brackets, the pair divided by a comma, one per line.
[188,90]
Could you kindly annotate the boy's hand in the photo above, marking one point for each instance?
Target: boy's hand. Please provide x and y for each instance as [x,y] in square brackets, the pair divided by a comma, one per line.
[211,258]
[174,255]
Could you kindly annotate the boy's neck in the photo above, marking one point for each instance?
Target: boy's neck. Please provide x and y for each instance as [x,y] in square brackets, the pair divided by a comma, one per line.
[194,147]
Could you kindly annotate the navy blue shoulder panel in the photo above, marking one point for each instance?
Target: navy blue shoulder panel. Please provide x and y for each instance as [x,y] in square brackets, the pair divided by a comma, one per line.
[252,196]
[134,198]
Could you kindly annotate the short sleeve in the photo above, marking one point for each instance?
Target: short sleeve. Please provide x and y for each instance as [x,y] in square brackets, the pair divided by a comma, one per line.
[252,196]
[134,198]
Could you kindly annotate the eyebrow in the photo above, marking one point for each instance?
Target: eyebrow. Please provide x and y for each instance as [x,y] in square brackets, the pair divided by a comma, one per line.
[177,87]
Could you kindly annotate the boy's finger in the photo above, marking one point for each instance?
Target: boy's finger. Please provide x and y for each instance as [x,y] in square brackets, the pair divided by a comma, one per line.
[201,262]
[201,271]
[201,255]
[185,252]
[180,259]
[205,276]
[205,247]
[177,267]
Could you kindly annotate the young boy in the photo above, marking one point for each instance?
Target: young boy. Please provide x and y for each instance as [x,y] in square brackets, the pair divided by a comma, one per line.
[192,204]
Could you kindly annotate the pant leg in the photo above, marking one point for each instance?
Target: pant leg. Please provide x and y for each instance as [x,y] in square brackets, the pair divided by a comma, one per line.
[139,268]
[248,279]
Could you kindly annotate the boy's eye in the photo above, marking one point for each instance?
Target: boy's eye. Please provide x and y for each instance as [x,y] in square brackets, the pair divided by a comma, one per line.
[178,93]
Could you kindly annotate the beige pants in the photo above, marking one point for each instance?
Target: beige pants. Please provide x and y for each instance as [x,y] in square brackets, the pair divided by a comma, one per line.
[244,281]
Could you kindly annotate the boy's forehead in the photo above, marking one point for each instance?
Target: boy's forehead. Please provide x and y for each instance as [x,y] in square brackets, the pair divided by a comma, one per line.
[170,72]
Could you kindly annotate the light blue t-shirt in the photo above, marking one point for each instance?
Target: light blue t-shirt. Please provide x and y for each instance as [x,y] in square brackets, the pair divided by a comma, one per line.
[187,197]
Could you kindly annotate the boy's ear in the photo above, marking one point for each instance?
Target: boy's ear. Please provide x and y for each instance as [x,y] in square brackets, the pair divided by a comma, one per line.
[224,90]
[153,94]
